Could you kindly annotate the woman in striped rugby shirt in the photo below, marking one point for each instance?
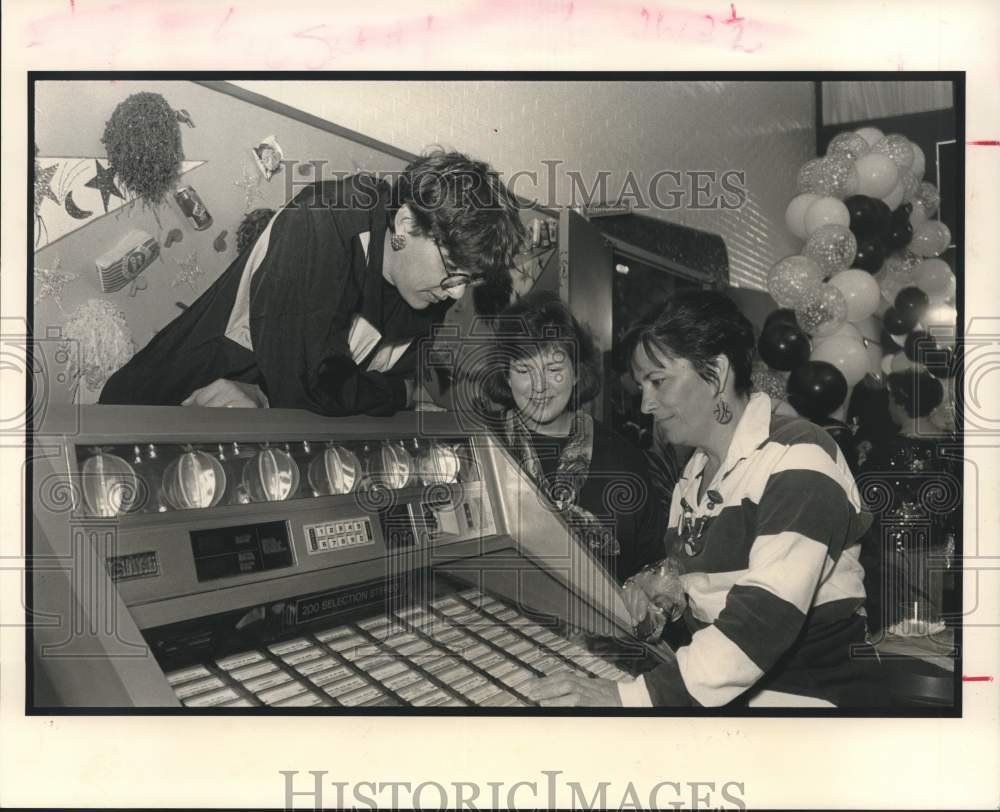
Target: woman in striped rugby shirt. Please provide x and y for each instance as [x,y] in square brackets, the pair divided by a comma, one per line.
[764,532]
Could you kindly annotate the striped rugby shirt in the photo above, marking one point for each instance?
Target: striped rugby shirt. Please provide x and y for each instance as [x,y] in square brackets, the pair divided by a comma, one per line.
[774,582]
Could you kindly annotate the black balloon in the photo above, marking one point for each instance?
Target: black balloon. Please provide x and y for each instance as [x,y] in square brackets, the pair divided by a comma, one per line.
[900,234]
[911,304]
[869,216]
[816,389]
[944,363]
[922,348]
[783,315]
[871,254]
[903,211]
[783,346]
[917,345]
[896,323]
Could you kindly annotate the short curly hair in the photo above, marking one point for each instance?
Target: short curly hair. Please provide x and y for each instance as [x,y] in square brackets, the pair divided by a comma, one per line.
[468,210]
[536,322]
[918,392]
[699,325]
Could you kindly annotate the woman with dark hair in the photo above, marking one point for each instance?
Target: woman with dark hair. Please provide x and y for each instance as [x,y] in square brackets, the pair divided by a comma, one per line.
[764,532]
[921,479]
[546,368]
[322,312]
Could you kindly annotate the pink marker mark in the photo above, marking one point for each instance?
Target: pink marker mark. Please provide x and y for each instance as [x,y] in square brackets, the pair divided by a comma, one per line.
[983,143]
[976,679]
[225,20]
[309,42]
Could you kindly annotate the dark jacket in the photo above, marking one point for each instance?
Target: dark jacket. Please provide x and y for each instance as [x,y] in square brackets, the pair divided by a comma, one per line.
[312,282]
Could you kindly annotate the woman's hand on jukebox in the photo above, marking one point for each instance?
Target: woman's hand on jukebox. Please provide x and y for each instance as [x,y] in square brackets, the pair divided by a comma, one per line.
[655,595]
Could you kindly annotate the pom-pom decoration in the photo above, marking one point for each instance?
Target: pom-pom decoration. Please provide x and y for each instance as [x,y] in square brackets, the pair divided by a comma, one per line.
[99,341]
[143,143]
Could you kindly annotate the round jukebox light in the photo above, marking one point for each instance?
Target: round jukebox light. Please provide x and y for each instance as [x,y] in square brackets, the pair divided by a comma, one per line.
[390,465]
[194,480]
[110,486]
[335,470]
[271,476]
[439,464]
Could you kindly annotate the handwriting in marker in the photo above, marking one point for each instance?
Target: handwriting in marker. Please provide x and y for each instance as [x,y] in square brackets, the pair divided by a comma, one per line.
[983,143]
[976,679]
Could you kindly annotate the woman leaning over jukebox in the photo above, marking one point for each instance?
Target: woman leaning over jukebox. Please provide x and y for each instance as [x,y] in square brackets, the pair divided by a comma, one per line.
[764,534]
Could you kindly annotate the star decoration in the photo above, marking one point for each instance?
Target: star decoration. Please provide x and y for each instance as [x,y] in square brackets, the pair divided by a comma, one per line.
[189,272]
[104,182]
[249,182]
[43,185]
[50,282]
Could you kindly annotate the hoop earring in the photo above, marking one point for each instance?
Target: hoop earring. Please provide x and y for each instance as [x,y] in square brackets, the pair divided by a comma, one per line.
[723,414]
[397,241]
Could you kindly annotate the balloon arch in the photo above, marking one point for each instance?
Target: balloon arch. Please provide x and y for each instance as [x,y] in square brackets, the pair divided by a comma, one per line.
[867,295]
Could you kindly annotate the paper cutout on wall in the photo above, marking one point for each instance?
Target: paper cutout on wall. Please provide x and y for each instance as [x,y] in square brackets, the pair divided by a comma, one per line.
[73,192]
[50,283]
[249,183]
[122,264]
[190,272]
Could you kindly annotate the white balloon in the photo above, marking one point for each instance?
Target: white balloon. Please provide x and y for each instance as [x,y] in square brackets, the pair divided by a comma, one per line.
[919,161]
[846,330]
[918,215]
[870,328]
[861,292]
[827,211]
[846,354]
[895,197]
[877,174]
[887,363]
[871,134]
[941,322]
[795,214]
[900,363]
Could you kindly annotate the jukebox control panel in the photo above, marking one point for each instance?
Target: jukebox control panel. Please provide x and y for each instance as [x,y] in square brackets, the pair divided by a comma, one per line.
[215,513]
[281,559]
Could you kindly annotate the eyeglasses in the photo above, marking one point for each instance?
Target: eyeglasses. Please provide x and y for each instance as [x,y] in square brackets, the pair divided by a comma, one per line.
[456,279]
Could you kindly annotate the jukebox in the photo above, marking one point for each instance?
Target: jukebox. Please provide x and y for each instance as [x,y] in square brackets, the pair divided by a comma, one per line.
[214,558]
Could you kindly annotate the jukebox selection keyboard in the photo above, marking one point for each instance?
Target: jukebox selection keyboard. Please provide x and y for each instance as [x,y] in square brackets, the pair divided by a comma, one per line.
[463,649]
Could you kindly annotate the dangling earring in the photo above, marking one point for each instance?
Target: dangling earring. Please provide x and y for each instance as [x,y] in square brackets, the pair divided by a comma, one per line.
[723,414]
[397,241]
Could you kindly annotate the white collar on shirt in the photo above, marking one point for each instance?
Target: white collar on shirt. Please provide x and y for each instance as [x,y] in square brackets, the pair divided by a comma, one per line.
[752,430]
